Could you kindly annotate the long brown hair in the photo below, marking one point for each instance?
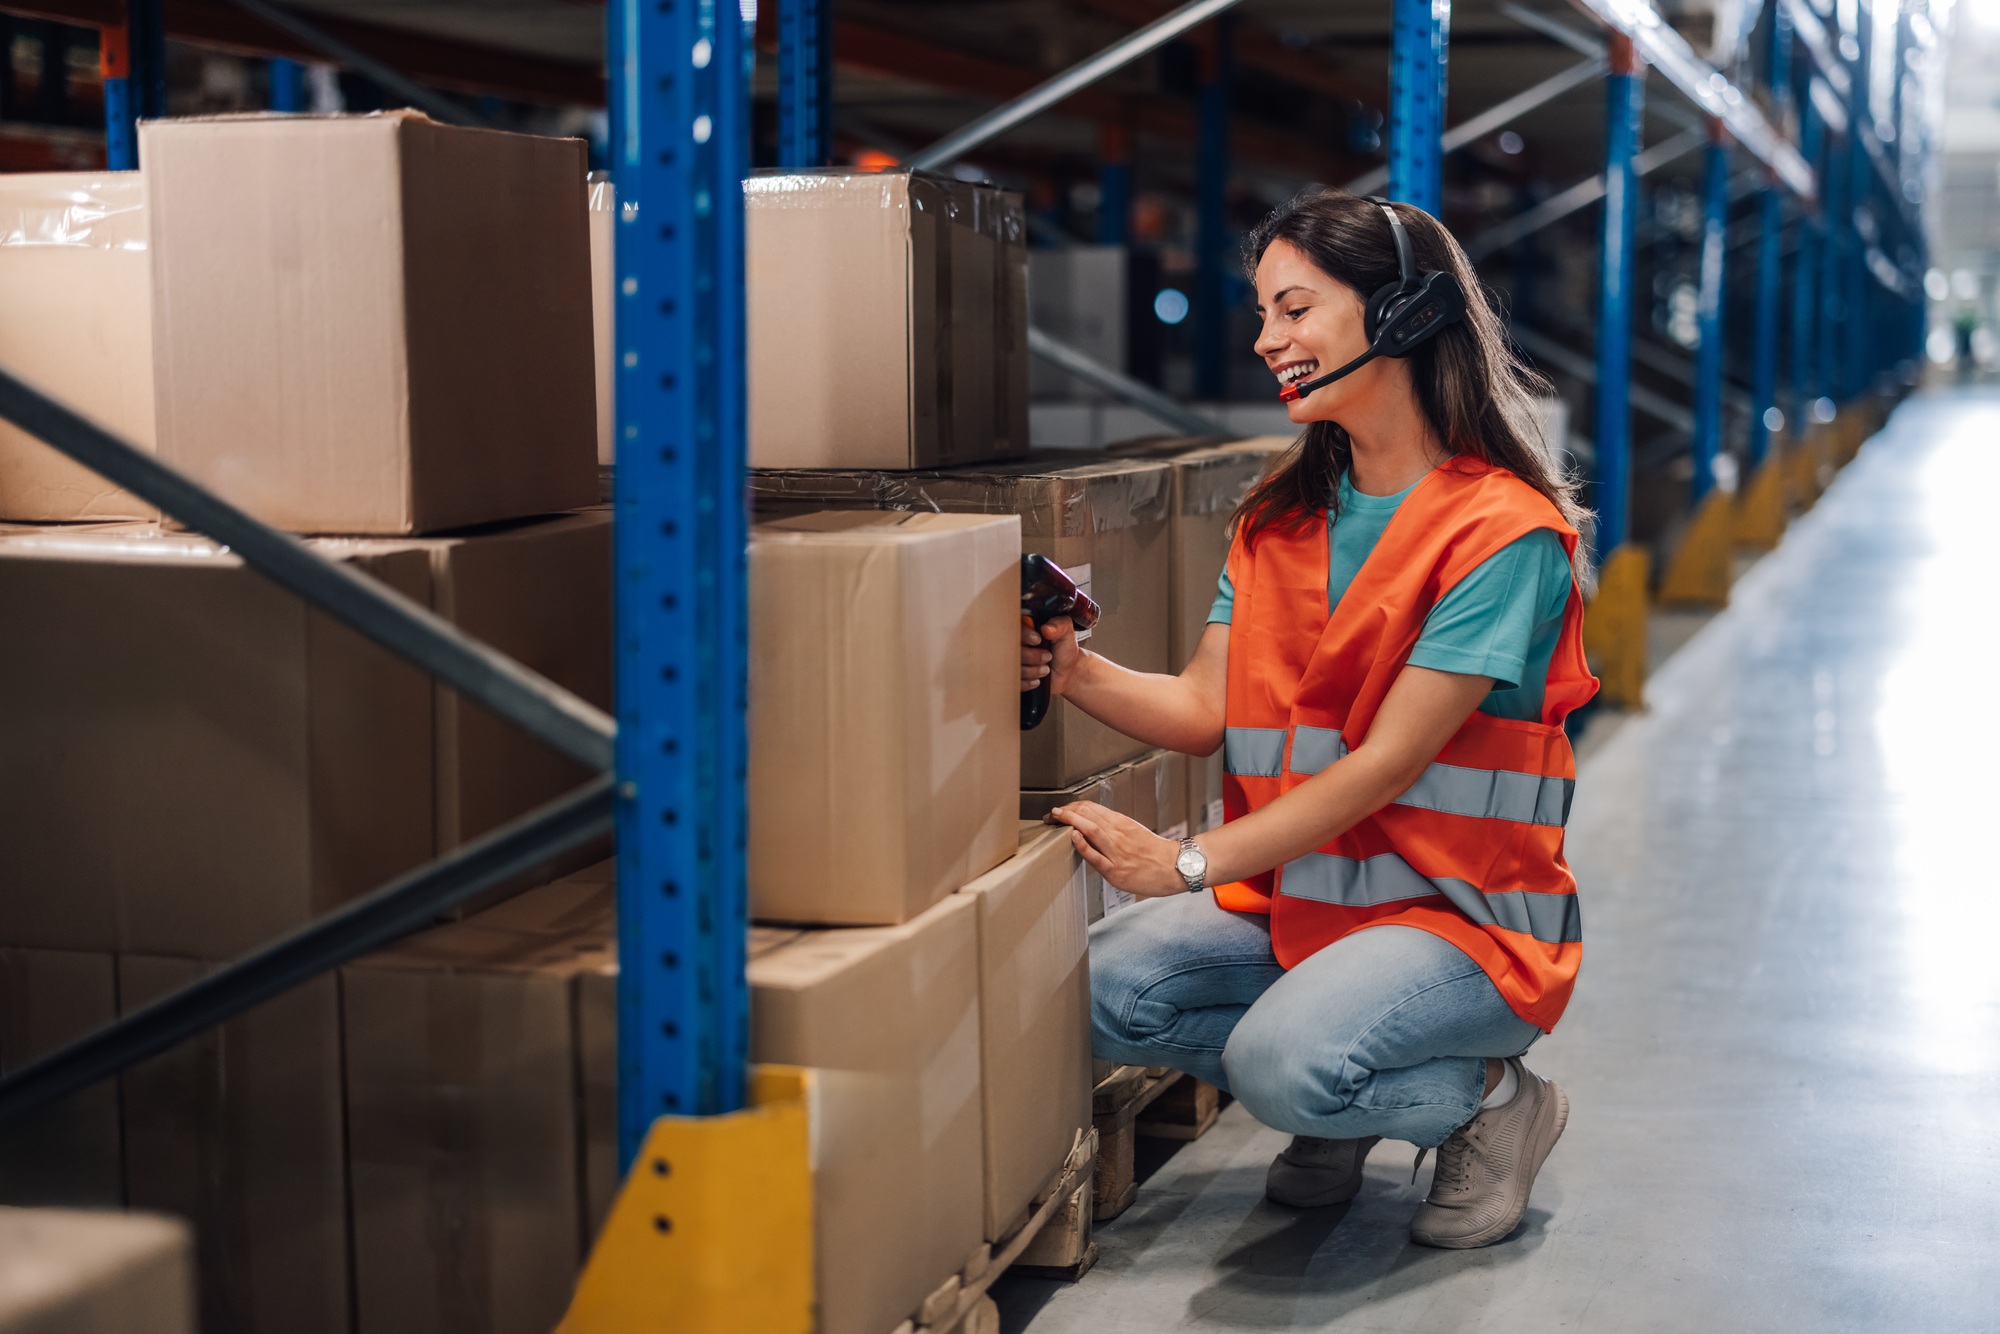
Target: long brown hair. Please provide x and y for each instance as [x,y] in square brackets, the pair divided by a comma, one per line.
[1473,390]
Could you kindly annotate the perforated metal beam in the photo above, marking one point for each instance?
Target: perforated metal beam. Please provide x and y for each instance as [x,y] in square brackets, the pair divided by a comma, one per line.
[1624,95]
[680,146]
[1418,46]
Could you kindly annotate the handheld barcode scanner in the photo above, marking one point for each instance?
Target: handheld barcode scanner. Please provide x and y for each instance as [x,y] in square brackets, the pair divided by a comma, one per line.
[1401,316]
[1046,593]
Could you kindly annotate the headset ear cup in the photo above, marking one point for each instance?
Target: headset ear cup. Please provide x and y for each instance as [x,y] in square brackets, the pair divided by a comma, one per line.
[1379,309]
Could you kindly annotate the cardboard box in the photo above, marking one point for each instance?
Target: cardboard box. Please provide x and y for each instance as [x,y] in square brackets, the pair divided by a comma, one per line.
[1034,1027]
[1208,486]
[540,592]
[604,305]
[199,763]
[887,320]
[372,324]
[71,1153]
[76,322]
[1151,789]
[884,711]
[889,1019]
[465,1126]
[65,1271]
[240,1131]
[1104,520]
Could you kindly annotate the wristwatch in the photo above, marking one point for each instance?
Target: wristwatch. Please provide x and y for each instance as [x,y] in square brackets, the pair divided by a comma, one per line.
[1192,863]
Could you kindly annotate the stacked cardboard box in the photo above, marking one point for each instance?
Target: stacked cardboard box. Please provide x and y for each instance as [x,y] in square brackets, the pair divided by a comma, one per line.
[888,320]
[376,330]
[884,776]
[1103,520]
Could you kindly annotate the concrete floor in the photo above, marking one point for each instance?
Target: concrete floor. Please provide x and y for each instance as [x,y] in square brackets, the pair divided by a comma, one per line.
[1784,1053]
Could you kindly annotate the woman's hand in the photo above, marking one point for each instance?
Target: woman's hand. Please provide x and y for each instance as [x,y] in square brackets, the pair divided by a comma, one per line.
[1053,654]
[1128,855]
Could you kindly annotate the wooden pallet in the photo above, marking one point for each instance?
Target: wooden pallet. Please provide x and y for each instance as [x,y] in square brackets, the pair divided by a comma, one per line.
[960,1304]
[1152,1101]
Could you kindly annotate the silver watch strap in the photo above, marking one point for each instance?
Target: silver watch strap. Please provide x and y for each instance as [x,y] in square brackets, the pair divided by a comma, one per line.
[1195,883]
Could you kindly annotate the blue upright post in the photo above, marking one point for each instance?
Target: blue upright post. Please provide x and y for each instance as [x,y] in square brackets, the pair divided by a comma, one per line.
[114,63]
[1708,311]
[680,146]
[1857,328]
[133,59]
[1114,185]
[1419,43]
[288,85]
[1836,232]
[805,83]
[1806,270]
[1211,301]
[1770,239]
[1764,330]
[1624,96]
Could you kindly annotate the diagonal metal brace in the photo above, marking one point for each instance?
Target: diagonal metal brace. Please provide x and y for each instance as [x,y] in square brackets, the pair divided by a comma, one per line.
[402,85]
[529,700]
[1139,394]
[397,909]
[1071,81]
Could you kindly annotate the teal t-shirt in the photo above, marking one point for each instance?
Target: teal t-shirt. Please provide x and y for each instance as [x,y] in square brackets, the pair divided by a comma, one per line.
[1503,620]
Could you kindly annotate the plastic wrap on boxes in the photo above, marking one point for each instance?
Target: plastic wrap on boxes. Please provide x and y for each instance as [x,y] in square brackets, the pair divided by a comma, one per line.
[887,320]
[75,321]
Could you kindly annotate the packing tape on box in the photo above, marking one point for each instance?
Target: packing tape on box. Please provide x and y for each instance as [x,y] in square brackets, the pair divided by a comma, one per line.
[843,187]
[75,211]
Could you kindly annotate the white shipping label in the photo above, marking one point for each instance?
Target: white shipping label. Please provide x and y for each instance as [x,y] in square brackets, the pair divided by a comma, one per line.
[1081,574]
[1176,832]
[1114,899]
[1213,815]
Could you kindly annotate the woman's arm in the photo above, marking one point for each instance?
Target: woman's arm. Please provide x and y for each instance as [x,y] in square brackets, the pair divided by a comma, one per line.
[1181,713]
[1424,709]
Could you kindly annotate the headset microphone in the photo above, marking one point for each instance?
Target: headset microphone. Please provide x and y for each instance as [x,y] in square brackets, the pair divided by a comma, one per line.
[1401,316]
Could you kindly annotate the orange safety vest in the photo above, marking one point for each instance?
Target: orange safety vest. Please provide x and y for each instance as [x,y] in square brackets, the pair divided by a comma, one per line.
[1473,851]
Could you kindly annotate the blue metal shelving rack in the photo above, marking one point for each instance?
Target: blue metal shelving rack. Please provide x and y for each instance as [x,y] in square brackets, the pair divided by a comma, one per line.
[680,148]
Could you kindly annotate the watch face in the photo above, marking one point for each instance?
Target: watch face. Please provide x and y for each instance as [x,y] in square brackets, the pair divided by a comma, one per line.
[1191,862]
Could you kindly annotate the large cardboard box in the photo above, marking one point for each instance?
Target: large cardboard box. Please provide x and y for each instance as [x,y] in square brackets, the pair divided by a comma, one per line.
[69,1153]
[884,711]
[1034,1025]
[239,1130]
[465,1125]
[69,1271]
[1103,520]
[194,762]
[75,322]
[887,320]
[889,1019]
[372,324]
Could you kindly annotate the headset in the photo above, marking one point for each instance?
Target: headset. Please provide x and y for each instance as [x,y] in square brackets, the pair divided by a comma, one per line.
[1402,315]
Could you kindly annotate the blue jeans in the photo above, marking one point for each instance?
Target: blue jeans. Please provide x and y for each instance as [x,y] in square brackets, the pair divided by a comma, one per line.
[1384,1032]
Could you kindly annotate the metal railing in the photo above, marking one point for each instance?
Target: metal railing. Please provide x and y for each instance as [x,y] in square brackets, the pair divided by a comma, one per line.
[530,701]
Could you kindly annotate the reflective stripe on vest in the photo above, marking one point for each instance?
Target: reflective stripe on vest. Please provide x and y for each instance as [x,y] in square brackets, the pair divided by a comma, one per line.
[1254,752]
[1452,789]
[1348,882]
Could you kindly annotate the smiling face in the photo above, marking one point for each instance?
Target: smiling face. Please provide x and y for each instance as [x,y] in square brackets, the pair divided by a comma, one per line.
[1313,324]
